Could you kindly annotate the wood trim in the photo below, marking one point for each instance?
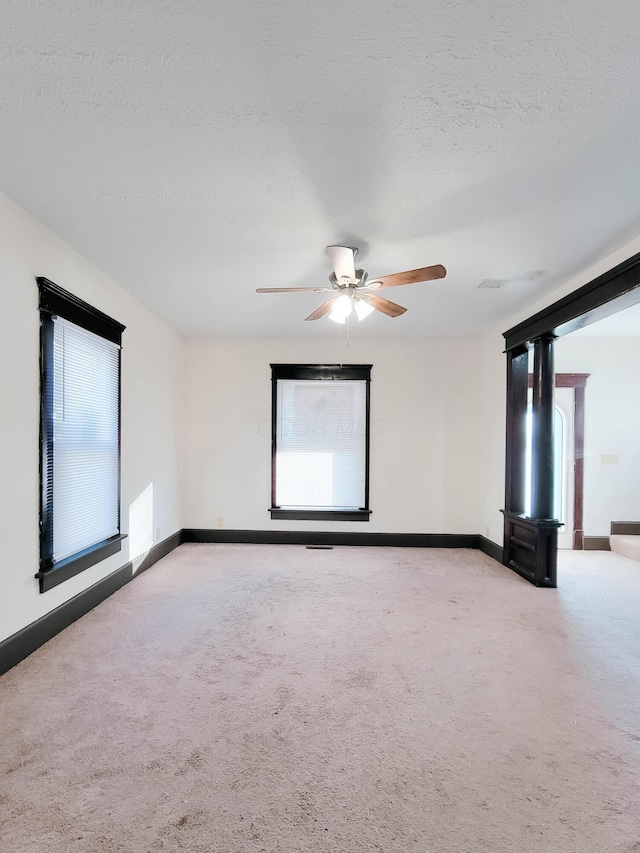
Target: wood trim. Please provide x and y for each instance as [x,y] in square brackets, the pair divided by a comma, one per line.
[542,472]
[309,537]
[274,431]
[578,466]
[566,380]
[320,373]
[54,300]
[72,566]
[367,441]
[46,443]
[596,543]
[491,549]
[530,547]
[625,528]
[607,294]
[517,373]
[21,644]
[577,381]
[278,513]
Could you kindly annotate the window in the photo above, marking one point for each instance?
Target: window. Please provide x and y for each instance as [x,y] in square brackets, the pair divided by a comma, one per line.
[320,441]
[79,435]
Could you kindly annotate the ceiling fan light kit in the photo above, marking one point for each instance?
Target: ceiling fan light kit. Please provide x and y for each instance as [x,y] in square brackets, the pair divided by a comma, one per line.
[342,308]
[363,309]
[348,304]
[355,291]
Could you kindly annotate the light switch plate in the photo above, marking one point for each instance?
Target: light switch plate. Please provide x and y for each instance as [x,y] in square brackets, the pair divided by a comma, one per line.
[609,459]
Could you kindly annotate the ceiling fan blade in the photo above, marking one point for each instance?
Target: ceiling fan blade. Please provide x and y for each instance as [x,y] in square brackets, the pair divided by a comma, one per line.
[391,309]
[409,277]
[322,310]
[294,289]
[343,260]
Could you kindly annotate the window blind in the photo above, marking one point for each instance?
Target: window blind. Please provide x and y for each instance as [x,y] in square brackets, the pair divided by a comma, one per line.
[321,444]
[86,469]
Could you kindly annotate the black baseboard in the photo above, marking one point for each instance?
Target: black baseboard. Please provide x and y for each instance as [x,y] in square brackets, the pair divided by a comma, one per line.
[490,549]
[21,644]
[308,537]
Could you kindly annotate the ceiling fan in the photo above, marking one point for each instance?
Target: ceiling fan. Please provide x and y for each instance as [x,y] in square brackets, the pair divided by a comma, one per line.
[354,291]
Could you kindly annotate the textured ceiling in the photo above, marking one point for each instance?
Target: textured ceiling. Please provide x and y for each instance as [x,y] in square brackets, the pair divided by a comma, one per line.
[196,150]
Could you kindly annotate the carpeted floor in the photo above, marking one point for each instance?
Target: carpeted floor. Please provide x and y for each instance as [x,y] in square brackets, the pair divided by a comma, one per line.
[249,699]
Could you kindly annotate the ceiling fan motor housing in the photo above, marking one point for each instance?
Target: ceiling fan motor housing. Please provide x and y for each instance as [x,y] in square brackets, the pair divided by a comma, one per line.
[361,280]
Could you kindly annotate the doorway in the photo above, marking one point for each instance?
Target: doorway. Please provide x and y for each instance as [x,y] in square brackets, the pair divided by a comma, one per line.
[568,454]
[563,480]
[563,456]
[531,542]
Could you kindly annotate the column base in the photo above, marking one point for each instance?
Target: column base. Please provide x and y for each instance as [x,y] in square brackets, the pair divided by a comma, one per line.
[530,547]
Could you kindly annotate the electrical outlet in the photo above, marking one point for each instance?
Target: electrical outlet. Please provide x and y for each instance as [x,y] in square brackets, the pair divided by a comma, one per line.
[157,534]
[609,459]
[487,530]
[220,521]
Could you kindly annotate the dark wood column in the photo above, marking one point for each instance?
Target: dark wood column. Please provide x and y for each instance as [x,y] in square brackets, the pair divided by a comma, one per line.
[530,542]
[542,429]
[517,381]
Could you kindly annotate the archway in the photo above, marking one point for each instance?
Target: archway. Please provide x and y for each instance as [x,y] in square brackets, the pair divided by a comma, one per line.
[531,539]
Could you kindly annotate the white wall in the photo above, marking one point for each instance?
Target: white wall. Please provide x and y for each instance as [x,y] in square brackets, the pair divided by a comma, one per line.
[612,425]
[492,431]
[425,400]
[151,414]
[494,396]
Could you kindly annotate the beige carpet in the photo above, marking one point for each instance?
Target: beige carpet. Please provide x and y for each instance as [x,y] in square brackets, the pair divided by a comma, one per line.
[246,699]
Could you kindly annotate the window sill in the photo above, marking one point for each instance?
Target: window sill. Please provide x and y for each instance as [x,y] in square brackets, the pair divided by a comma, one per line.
[71,566]
[320,514]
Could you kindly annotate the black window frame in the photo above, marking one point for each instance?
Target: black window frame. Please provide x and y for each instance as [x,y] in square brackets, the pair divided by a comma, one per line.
[321,373]
[54,301]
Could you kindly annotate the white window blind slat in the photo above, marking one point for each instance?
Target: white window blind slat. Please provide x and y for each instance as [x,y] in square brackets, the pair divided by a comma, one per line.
[85,439]
[321,444]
